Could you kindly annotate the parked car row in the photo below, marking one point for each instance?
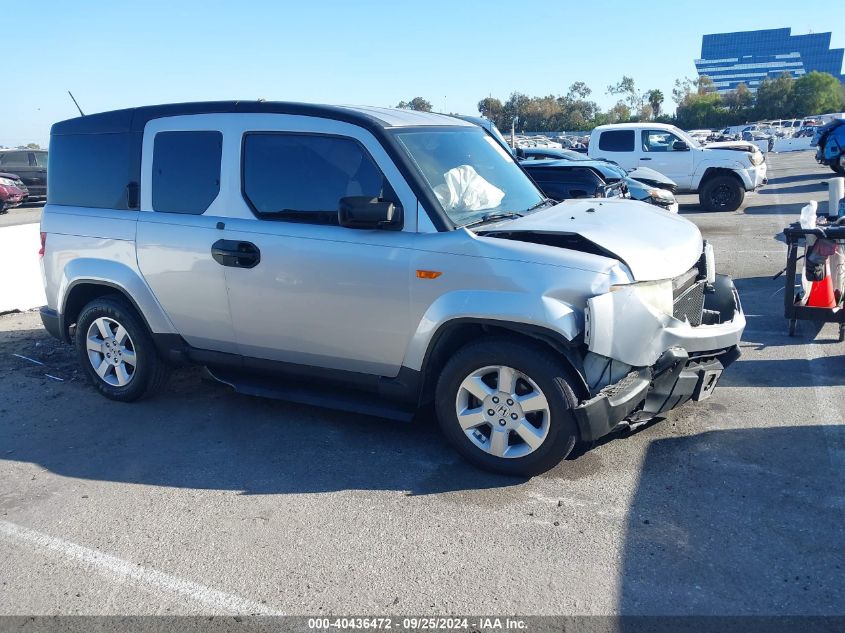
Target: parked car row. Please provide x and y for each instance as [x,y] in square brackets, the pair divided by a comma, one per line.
[564,174]
[12,191]
[23,177]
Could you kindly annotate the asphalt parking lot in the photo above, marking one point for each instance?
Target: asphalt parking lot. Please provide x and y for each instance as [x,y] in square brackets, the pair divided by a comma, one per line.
[204,501]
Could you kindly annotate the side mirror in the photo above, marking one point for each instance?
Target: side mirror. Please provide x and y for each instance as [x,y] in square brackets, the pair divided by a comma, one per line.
[679,146]
[364,212]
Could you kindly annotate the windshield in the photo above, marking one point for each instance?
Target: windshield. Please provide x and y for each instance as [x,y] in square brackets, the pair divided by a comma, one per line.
[470,174]
[684,137]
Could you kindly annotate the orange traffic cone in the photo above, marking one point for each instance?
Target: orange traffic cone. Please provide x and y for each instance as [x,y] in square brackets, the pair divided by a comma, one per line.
[821,294]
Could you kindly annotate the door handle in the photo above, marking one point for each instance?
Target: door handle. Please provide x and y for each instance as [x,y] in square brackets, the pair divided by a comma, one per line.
[645,159]
[235,253]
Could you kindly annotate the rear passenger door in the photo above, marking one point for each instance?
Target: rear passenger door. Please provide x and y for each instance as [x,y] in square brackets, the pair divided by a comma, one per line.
[181,207]
[322,295]
[620,147]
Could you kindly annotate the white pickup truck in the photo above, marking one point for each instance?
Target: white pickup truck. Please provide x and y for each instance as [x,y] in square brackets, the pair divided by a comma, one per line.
[719,173]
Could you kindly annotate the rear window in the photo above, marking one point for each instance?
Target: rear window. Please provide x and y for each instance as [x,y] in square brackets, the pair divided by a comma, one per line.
[14,159]
[89,170]
[186,171]
[617,141]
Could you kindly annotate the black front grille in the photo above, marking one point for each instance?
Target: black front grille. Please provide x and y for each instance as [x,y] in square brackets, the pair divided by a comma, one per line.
[689,303]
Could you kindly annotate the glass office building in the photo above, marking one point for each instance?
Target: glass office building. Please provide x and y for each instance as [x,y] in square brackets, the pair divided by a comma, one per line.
[752,56]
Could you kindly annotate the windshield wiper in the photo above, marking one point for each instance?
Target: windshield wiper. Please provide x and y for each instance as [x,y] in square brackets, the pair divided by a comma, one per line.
[490,217]
[542,203]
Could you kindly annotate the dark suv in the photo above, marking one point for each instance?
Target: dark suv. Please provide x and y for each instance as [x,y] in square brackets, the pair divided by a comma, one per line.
[31,166]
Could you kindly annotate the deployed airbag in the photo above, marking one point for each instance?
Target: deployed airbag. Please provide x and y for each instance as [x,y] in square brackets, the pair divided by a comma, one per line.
[465,190]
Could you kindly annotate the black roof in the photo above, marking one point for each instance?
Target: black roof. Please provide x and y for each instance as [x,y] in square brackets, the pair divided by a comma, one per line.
[134,119]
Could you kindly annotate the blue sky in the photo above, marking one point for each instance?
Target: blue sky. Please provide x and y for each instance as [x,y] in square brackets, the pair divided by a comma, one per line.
[115,54]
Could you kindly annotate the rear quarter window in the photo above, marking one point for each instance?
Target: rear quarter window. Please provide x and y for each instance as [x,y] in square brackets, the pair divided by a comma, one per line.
[617,141]
[186,171]
[89,170]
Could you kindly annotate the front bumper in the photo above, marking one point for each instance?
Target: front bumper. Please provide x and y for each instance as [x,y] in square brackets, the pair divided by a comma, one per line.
[753,178]
[673,380]
[670,361]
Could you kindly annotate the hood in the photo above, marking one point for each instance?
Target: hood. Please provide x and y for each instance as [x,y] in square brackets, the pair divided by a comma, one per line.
[652,177]
[4,174]
[652,243]
[740,146]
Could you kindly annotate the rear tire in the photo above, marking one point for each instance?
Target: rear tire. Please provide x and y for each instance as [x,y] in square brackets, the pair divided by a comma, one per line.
[117,352]
[839,169]
[721,193]
[520,422]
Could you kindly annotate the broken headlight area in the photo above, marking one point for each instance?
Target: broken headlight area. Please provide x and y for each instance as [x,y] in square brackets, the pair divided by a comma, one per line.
[682,297]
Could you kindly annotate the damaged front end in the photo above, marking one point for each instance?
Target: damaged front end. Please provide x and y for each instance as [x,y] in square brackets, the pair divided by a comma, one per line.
[652,346]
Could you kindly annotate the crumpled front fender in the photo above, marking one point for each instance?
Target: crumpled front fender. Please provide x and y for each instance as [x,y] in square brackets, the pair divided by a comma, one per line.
[621,326]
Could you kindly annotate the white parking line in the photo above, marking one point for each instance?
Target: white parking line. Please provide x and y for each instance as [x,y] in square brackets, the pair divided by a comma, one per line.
[151,578]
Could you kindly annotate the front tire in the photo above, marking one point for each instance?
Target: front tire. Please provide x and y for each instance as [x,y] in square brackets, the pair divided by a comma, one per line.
[117,352]
[722,193]
[506,406]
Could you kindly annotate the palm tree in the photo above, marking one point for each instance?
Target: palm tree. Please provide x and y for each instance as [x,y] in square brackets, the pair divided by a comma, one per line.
[655,99]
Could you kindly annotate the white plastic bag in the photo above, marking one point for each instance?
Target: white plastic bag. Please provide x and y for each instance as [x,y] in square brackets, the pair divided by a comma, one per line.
[465,190]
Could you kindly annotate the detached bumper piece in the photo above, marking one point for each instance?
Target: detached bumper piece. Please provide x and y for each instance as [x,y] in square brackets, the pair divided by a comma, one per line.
[644,393]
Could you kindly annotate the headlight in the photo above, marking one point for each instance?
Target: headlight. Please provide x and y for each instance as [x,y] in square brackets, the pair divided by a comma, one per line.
[756,158]
[656,294]
[661,194]
[7,181]
[709,263]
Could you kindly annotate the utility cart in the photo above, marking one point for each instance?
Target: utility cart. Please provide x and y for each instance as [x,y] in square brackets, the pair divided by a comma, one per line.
[796,238]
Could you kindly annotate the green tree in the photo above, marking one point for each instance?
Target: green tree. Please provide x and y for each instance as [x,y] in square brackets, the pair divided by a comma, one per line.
[816,93]
[514,109]
[619,113]
[417,103]
[774,97]
[492,109]
[578,90]
[655,100]
[740,99]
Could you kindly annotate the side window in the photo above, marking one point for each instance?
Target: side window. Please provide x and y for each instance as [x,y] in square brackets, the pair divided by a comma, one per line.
[14,159]
[302,177]
[186,171]
[90,170]
[41,159]
[617,141]
[658,141]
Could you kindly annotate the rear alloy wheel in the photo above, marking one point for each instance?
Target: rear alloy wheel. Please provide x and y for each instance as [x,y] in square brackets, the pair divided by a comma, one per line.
[117,352]
[506,407]
[722,193]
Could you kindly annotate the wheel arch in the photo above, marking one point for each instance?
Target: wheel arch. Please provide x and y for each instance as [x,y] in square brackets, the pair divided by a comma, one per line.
[459,331]
[81,292]
[712,172]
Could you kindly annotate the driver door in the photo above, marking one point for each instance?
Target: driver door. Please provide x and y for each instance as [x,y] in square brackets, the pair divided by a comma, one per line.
[659,153]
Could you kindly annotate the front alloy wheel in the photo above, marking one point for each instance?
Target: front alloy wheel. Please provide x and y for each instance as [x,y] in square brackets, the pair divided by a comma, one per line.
[502,411]
[506,405]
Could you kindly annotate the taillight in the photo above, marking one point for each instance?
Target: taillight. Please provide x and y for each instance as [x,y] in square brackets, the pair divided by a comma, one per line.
[43,244]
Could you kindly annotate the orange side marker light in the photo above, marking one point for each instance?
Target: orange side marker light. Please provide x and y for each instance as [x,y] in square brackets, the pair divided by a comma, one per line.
[428,274]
